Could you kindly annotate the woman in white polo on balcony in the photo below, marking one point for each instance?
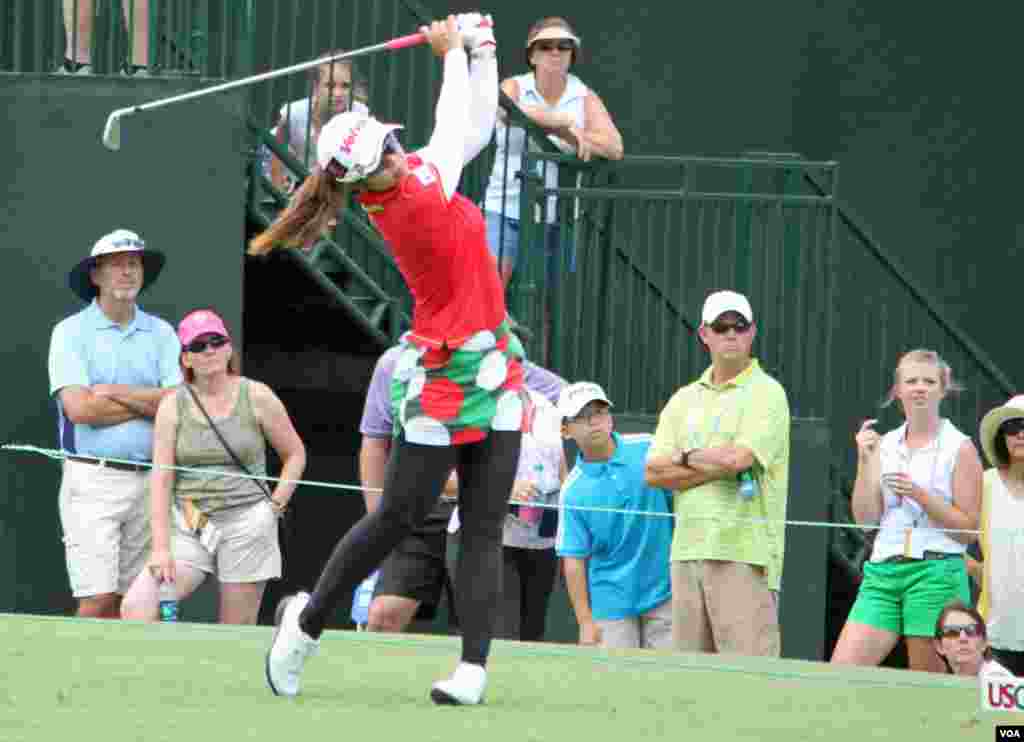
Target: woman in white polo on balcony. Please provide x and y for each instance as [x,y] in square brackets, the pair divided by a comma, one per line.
[575,118]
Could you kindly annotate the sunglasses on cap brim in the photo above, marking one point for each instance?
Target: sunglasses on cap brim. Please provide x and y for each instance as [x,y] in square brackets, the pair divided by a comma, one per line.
[338,171]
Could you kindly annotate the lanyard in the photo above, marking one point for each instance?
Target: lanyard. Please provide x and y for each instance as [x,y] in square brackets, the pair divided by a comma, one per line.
[914,511]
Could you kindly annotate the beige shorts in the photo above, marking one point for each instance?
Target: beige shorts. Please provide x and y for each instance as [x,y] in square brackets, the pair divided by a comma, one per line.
[104,515]
[651,630]
[247,549]
[722,606]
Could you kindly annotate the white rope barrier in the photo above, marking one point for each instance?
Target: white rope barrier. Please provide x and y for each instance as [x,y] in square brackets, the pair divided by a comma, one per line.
[58,454]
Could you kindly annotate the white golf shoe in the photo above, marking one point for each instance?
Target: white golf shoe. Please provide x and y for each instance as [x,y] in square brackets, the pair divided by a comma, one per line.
[290,648]
[464,688]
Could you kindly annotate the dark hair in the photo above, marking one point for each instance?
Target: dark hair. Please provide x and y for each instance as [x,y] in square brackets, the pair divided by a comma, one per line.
[234,363]
[958,606]
[551,21]
[999,444]
[315,73]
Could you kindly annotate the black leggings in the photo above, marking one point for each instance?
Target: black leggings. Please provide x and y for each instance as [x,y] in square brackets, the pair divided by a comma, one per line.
[529,579]
[413,481]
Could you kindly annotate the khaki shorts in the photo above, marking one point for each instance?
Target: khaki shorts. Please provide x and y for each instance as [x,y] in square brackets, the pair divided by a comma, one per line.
[247,550]
[724,607]
[104,514]
[651,630]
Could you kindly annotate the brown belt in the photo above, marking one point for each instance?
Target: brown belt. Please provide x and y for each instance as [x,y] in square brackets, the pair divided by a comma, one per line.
[110,464]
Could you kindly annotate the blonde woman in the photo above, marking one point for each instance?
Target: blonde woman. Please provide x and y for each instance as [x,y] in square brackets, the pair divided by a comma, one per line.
[1002,533]
[915,481]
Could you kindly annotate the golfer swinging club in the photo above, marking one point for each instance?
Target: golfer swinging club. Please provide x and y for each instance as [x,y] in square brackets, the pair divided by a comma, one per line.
[457,388]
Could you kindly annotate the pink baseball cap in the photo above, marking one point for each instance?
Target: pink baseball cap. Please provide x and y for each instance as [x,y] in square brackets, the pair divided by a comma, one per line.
[200,322]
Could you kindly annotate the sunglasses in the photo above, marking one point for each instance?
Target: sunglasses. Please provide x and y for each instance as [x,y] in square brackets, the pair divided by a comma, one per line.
[1012,427]
[549,46]
[952,631]
[198,346]
[720,327]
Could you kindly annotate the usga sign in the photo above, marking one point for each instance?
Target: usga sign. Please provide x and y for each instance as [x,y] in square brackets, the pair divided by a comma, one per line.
[1002,693]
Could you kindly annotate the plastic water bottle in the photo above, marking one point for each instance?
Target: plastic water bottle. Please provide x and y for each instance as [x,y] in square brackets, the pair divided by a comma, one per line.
[748,484]
[168,601]
[362,598]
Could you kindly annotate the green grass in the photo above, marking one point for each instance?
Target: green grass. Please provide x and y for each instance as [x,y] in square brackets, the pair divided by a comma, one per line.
[74,680]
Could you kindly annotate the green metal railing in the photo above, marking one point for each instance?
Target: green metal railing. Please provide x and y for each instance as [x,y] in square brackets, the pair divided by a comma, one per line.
[637,255]
[210,38]
[650,244]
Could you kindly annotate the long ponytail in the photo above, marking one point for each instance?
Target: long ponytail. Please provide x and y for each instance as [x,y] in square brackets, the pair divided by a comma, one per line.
[305,219]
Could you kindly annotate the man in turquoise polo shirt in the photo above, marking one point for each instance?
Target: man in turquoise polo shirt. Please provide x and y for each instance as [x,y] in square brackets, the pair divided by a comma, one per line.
[616,563]
[110,365]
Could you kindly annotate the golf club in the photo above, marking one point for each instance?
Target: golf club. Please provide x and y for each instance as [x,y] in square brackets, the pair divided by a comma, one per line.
[112,129]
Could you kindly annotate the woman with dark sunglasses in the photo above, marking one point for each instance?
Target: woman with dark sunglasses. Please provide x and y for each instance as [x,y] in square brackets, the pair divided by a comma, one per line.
[962,642]
[573,115]
[457,389]
[1002,533]
[204,522]
[921,484]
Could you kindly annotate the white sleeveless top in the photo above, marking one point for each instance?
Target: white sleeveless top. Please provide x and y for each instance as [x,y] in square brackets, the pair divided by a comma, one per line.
[502,194]
[1004,565]
[931,468]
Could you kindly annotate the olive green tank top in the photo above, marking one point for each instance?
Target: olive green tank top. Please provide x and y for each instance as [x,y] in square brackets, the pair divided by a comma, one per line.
[198,447]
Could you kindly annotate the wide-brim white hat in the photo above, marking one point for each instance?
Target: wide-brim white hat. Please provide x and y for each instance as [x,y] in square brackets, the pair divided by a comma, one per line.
[355,141]
[1013,408]
[120,240]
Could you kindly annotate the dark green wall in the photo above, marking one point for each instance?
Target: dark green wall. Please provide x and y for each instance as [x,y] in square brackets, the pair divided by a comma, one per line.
[178,181]
[917,103]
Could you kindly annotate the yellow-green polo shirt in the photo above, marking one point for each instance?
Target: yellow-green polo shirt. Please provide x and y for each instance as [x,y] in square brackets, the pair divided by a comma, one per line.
[751,411]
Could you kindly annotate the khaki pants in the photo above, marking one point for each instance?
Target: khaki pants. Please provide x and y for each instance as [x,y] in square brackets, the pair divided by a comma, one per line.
[651,630]
[723,607]
[248,549]
[104,514]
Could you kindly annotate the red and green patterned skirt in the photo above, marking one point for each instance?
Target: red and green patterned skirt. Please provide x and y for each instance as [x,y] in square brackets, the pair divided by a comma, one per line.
[446,397]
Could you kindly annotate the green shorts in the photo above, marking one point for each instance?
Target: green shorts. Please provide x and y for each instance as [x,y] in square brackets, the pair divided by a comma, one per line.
[907,597]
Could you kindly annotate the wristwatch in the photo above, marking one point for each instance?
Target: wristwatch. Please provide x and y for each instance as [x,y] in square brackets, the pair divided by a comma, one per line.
[683,459]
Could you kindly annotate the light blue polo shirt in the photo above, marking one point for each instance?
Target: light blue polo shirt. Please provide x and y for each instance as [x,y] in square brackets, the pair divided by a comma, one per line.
[87,348]
[628,565]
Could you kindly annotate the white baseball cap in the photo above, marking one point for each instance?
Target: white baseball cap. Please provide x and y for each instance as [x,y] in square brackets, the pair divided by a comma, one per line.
[120,240]
[721,302]
[577,396]
[355,142]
